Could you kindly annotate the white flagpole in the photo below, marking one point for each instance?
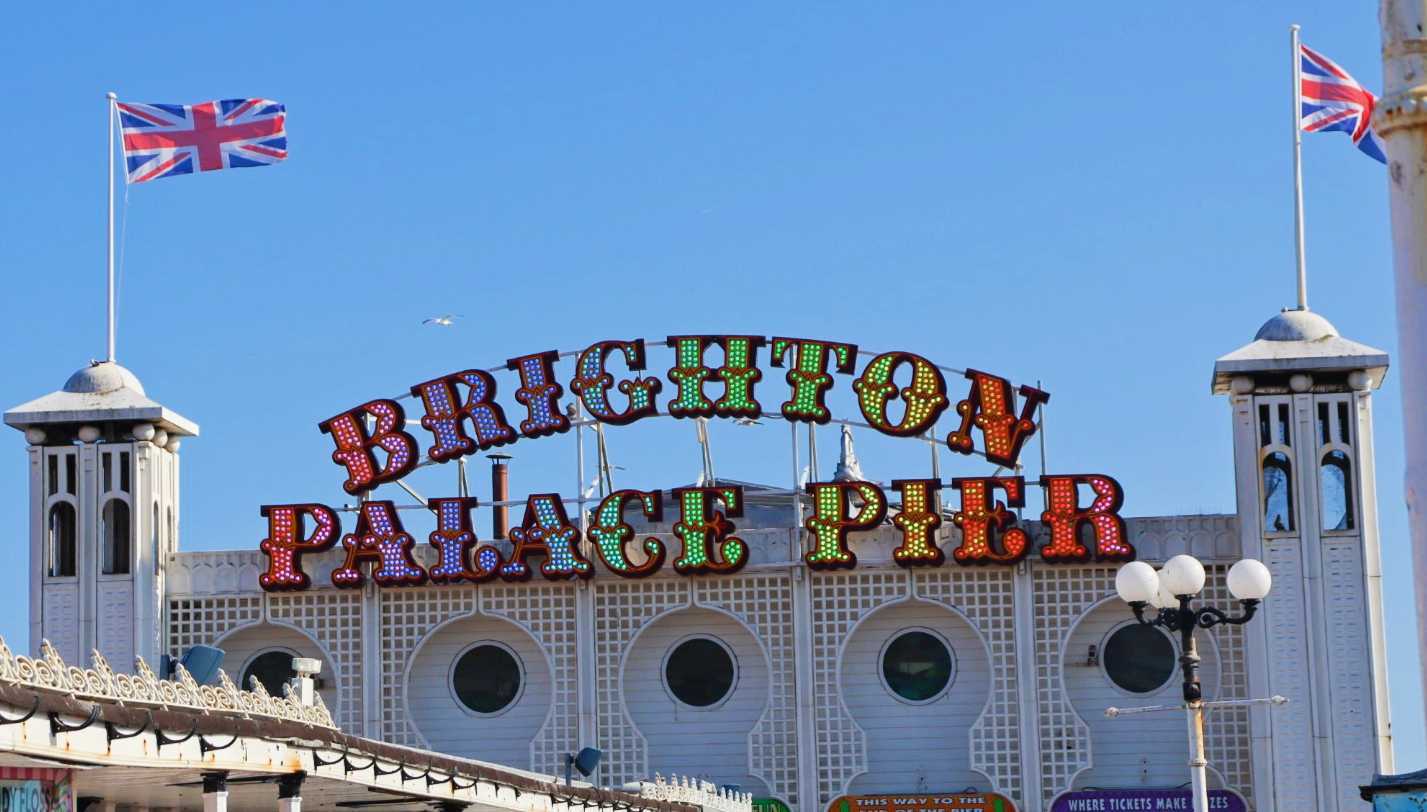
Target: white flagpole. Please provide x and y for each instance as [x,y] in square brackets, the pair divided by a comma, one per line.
[112,97]
[1298,166]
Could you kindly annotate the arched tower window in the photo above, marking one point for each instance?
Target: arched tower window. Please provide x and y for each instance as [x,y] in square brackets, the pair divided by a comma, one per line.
[114,531]
[1277,493]
[1335,476]
[61,540]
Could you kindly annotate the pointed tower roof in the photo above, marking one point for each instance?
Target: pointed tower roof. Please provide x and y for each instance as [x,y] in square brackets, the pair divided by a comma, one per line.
[1299,341]
[102,392]
[848,468]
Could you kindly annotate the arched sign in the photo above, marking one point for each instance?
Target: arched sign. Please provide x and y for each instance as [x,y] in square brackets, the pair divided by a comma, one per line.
[463,413]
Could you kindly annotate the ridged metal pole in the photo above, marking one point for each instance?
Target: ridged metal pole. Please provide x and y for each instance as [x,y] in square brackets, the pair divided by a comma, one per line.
[1401,121]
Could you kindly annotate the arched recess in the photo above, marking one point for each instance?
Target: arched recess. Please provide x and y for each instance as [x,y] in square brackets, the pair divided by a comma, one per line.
[922,746]
[711,741]
[244,643]
[445,724]
[1141,750]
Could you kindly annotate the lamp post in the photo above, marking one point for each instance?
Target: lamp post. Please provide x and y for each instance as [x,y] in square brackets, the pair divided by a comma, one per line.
[1172,592]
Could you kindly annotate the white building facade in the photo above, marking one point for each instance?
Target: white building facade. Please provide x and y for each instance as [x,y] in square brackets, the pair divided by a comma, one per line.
[796,685]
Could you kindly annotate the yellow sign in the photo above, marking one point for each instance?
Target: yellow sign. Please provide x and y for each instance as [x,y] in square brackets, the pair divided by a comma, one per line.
[944,802]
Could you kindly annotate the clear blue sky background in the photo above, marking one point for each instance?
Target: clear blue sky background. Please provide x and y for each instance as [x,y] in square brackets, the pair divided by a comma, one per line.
[1099,199]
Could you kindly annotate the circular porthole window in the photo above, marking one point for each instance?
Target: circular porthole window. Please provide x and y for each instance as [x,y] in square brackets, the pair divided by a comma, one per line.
[918,665]
[1138,659]
[272,668]
[487,677]
[699,671]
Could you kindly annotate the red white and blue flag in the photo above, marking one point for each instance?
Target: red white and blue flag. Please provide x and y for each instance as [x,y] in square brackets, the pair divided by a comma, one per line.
[161,140]
[1333,100]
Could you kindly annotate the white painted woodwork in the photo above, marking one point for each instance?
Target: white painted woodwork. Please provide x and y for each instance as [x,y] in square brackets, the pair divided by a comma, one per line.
[685,740]
[1152,751]
[447,725]
[922,747]
[241,647]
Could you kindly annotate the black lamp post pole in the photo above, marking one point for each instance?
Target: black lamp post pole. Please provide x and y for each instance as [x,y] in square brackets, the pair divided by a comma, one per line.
[1186,619]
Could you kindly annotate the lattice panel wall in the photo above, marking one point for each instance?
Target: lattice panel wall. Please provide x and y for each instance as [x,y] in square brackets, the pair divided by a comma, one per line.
[407,616]
[839,601]
[621,610]
[548,612]
[1062,595]
[765,603]
[1350,676]
[1295,771]
[335,620]
[194,621]
[986,596]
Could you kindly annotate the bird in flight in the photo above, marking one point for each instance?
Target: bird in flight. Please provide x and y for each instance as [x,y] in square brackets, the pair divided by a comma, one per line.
[441,321]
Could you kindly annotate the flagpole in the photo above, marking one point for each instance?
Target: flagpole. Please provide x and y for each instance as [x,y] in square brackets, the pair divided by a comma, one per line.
[111,97]
[1298,165]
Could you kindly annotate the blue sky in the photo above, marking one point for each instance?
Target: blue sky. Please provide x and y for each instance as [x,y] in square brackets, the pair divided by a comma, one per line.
[1098,200]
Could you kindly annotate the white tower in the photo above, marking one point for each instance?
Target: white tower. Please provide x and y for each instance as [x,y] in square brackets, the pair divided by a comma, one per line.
[103,514]
[1301,398]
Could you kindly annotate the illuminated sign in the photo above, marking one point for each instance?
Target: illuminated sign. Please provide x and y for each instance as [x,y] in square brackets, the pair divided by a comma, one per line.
[947,802]
[31,789]
[1144,800]
[462,414]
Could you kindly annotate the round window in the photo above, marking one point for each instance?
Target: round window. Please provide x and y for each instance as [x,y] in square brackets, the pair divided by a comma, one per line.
[918,665]
[699,672]
[272,668]
[486,678]
[1138,659]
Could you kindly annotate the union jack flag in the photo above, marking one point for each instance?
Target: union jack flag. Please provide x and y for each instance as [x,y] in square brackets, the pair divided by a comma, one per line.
[1333,100]
[161,140]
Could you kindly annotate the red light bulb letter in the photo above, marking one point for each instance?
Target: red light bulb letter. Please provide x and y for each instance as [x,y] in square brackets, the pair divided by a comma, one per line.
[1064,516]
[445,414]
[809,376]
[540,394]
[991,407]
[381,539]
[830,522]
[918,522]
[610,533]
[546,529]
[453,538]
[287,541]
[354,444]
[592,383]
[705,533]
[981,518]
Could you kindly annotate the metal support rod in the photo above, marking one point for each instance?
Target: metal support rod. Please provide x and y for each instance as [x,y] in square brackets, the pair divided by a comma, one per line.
[109,258]
[797,494]
[1298,167]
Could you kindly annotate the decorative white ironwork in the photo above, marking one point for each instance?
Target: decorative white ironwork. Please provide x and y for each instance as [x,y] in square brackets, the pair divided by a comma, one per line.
[49,672]
[699,793]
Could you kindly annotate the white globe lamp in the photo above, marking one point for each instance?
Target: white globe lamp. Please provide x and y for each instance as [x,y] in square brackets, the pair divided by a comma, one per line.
[1163,598]
[1136,582]
[1249,580]
[1183,575]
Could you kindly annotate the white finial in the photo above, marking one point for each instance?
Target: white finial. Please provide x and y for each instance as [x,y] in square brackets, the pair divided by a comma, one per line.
[848,468]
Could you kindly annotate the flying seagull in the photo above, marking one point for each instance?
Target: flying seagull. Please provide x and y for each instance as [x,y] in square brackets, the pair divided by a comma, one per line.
[441,321]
